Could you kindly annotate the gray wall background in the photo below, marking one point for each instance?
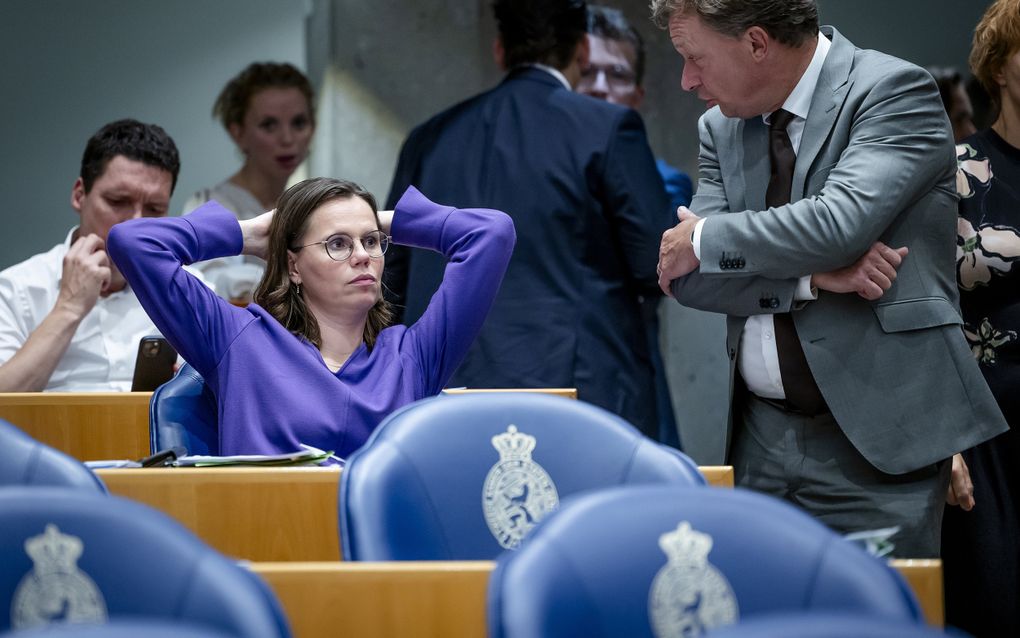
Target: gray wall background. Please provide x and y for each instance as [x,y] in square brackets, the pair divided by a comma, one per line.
[380,68]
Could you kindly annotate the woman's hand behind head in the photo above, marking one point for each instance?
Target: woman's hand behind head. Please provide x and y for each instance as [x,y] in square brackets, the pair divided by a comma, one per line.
[255,233]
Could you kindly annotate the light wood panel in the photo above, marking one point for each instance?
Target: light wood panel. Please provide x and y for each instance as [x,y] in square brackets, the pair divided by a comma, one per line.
[260,513]
[566,393]
[440,599]
[925,578]
[254,513]
[89,426]
[718,475]
[423,599]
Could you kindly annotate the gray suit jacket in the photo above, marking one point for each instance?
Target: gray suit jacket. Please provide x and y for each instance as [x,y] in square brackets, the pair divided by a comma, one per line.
[876,162]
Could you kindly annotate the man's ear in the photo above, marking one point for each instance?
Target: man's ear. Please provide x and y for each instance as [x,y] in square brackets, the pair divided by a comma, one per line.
[499,52]
[639,96]
[78,194]
[758,42]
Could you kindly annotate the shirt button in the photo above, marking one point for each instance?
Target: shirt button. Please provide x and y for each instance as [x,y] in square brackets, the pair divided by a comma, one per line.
[768,335]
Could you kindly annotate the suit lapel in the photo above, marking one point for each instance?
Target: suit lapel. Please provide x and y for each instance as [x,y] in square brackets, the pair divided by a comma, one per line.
[830,92]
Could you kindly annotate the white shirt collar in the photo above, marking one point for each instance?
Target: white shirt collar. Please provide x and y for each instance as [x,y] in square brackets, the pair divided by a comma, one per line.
[799,101]
[556,73]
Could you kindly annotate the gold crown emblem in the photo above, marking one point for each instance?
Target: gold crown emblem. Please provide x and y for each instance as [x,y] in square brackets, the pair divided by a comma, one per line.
[513,444]
[686,544]
[53,552]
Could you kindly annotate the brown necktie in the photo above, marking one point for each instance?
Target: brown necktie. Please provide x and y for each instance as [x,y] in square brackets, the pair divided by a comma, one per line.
[801,390]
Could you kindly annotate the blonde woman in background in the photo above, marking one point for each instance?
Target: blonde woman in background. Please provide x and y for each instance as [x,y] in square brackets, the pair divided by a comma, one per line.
[268,111]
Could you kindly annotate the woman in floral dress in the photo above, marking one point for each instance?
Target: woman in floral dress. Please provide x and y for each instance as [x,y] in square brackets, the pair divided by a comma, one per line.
[981,547]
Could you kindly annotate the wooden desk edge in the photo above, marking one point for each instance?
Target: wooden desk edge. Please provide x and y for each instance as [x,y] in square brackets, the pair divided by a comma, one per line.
[718,475]
[925,579]
[923,576]
[569,393]
[74,398]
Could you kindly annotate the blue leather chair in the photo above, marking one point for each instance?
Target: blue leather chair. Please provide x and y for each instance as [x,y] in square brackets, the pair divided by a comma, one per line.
[25,461]
[463,477]
[821,625]
[667,561]
[183,413]
[70,556]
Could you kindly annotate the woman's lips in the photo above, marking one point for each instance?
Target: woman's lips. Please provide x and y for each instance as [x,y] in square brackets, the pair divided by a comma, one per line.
[363,280]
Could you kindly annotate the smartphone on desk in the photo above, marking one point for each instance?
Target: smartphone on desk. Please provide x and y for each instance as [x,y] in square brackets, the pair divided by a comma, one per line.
[154,364]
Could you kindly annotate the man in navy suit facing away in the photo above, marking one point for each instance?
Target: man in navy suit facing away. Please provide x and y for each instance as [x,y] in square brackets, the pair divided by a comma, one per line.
[579,179]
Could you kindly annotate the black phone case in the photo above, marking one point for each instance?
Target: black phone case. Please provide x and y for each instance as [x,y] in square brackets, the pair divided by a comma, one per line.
[154,364]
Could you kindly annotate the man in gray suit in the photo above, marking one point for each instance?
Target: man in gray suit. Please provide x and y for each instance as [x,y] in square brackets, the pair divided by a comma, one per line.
[852,384]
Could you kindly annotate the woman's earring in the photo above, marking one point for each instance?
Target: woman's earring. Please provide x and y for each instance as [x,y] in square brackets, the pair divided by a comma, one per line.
[298,285]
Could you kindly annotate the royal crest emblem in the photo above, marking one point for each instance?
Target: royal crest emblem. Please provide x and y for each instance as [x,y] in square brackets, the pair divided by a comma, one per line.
[56,591]
[517,492]
[689,595]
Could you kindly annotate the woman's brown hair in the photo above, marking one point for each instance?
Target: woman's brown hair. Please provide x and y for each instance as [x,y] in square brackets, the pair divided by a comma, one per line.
[276,293]
[996,38]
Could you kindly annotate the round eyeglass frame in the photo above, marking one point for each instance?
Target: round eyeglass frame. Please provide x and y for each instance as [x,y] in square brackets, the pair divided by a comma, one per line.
[384,243]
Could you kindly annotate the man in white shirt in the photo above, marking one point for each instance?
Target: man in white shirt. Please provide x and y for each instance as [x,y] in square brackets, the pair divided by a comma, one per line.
[68,321]
[821,164]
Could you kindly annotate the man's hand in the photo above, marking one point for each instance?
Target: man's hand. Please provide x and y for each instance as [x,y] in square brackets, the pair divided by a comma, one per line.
[676,252]
[255,233]
[870,276]
[961,489]
[85,276]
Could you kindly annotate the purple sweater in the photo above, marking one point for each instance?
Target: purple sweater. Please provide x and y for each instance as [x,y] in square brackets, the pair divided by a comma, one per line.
[272,388]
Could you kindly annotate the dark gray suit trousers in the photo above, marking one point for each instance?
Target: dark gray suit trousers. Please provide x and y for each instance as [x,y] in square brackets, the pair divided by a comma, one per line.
[808,461]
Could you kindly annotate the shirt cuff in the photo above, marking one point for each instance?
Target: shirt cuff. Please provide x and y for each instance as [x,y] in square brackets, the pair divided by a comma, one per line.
[696,238]
[805,292]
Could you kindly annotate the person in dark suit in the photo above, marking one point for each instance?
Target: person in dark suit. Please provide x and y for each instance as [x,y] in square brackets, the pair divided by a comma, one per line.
[821,165]
[579,179]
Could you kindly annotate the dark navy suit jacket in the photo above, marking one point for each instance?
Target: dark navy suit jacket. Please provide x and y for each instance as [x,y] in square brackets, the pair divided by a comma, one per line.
[578,178]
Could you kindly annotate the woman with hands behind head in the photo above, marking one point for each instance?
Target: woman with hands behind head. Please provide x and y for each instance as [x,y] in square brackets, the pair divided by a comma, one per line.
[310,361]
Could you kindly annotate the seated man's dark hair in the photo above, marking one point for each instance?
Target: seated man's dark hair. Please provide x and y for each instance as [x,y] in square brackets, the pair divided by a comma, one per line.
[145,143]
[540,31]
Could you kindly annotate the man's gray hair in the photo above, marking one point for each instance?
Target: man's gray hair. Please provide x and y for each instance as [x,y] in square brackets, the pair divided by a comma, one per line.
[791,22]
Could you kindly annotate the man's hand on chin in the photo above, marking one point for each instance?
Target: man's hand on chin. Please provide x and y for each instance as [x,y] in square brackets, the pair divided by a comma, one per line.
[676,252]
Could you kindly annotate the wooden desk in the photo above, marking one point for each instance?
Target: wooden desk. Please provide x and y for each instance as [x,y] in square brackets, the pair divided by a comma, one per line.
[566,393]
[89,426]
[260,513]
[441,599]
[254,513]
[718,475]
[925,578]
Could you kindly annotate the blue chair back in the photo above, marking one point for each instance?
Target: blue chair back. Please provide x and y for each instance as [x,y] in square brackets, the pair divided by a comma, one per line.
[69,556]
[183,413]
[668,561]
[25,461]
[465,477]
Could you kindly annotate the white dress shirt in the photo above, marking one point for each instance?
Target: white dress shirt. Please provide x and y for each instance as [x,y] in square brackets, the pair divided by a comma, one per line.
[101,355]
[556,73]
[759,359]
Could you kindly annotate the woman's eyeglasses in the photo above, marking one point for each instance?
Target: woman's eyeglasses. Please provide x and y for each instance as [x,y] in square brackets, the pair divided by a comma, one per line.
[341,247]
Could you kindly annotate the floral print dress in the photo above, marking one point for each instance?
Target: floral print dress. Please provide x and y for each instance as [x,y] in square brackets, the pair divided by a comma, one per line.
[981,548]
[988,260]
